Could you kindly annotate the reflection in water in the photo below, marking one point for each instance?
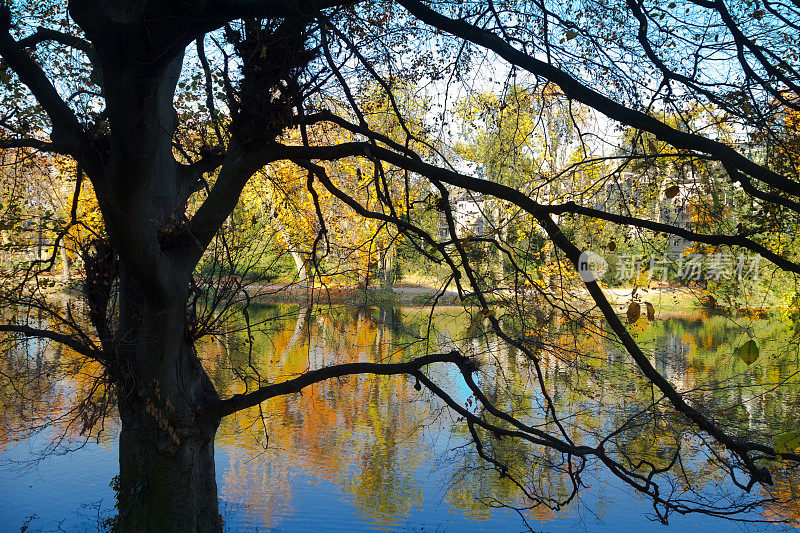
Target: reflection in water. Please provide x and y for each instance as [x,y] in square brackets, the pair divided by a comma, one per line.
[389,450]
[360,432]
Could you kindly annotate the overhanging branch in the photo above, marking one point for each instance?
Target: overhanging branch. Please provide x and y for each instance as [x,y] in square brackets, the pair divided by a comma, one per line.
[516,197]
[37,144]
[743,450]
[576,90]
[80,347]
[43,34]
[243,401]
[66,128]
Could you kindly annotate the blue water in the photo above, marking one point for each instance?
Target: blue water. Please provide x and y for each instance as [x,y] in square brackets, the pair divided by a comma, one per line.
[72,492]
[359,454]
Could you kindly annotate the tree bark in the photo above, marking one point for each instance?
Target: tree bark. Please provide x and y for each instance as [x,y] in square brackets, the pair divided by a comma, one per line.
[166,485]
[167,478]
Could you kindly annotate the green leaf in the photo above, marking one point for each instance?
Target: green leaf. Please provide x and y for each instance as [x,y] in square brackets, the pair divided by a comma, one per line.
[748,352]
[571,34]
[672,5]
[787,442]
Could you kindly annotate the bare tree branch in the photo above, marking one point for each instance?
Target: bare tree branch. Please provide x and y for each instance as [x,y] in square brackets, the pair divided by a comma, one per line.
[518,198]
[43,34]
[82,348]
[243,401]
[66,128]
[574,89]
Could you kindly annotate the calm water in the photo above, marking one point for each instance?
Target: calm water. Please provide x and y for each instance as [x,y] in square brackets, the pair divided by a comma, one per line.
[372,453]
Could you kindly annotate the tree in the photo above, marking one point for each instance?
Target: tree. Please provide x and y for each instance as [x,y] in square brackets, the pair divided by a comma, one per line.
[100,82]
[527,139]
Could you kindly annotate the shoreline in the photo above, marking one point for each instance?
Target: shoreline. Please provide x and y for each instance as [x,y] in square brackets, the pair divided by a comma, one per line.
[669,300]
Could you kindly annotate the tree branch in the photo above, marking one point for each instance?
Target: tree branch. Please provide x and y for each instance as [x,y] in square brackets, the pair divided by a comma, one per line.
[525,202]
[238,166]
[739,448]
[37,144]
[207,163]
[66,128]
[46,34]
[80,347]
[576,90]
[232,9]
[714,240]
[243,401]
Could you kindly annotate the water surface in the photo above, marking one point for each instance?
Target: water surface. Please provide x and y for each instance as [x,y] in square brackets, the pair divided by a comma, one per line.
[372,453]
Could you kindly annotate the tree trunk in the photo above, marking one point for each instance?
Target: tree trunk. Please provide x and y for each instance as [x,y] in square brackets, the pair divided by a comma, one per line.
[166,483]
[64,264]
[387,267]
[299,260]
[5,240]
[166,451]
[503,237]
[299,263]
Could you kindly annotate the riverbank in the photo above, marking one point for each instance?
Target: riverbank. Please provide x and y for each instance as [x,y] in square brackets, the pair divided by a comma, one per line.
[400,294]
[666,299]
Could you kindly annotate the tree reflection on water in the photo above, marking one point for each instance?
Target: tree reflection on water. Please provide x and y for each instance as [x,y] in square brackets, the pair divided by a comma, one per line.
[377,438]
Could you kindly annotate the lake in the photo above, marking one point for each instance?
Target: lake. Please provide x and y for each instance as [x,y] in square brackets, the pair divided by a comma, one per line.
[373,453]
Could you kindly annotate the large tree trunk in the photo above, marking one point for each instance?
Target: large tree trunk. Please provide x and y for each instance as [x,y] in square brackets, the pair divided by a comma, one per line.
[166,449]
[166,401]
[166,484]
[166,454]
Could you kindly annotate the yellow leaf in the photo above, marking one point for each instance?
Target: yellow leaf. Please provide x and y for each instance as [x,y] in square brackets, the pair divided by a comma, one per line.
[640,326]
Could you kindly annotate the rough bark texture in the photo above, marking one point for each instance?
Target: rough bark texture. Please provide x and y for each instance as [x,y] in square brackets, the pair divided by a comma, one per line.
[167,476]
[166,451]
[164,486]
